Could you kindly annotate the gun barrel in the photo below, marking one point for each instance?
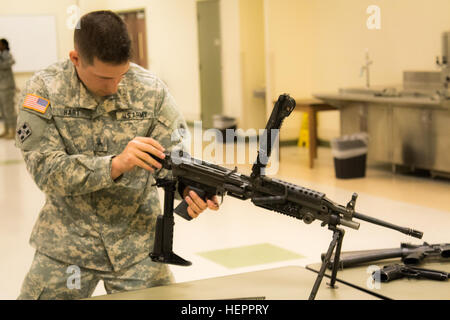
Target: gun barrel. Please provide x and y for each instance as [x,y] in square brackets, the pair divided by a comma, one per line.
[407,231]
[350,224]
[427,273]
[349,259]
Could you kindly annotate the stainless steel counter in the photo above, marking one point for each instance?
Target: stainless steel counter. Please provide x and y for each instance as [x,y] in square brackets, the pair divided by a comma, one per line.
[404,128]
[341,99]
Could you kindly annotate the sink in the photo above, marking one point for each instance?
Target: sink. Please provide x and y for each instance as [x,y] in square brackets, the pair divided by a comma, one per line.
[433,95]
[394,92]
[379,92]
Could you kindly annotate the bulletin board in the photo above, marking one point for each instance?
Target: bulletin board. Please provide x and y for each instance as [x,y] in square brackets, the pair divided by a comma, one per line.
[32,40]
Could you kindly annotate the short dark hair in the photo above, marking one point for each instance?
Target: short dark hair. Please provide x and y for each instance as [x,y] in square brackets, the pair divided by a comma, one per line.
[5,43]
[104,35]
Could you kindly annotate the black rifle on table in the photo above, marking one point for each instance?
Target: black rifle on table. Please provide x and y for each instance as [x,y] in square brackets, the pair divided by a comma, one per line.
[398,271]
[410,254]
[208,179]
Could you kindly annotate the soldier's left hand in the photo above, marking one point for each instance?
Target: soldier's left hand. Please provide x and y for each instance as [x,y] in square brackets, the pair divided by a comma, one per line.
[197,205]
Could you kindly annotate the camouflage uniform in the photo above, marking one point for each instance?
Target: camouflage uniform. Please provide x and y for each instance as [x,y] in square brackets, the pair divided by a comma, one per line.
[7,89]
[89,220]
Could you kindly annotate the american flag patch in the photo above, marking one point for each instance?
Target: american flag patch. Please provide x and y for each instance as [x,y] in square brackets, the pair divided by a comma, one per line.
[36,103]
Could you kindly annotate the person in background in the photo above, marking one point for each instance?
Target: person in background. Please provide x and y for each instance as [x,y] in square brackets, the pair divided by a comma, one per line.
[7,90]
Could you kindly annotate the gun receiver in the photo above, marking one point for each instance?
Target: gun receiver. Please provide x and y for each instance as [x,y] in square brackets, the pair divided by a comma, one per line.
[271,194]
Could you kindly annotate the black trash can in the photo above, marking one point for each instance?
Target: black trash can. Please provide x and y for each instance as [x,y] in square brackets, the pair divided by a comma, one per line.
[223,124]
[350,154]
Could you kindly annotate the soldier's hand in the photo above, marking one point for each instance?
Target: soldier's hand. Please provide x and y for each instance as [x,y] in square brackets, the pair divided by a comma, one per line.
[136,153]
[197,205]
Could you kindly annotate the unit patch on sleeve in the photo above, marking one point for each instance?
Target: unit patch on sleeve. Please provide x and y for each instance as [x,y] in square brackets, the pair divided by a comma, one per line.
[36,103]
[23,132]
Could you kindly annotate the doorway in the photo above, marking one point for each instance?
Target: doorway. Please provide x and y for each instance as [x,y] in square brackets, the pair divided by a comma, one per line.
[210,57]
[135,21]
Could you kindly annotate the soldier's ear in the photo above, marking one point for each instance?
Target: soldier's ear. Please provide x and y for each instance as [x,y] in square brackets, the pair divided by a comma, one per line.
[75,58]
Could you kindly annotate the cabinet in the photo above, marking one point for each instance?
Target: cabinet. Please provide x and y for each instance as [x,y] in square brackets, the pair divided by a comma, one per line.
[412,135]
[440,135]
[412,139]
[379,127]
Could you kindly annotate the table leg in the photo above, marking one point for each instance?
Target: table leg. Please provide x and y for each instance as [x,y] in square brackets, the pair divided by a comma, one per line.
[314,129]
[312,138]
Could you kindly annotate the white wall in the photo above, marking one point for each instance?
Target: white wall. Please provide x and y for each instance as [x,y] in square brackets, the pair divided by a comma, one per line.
[43,7]
[252,62]
[243,65]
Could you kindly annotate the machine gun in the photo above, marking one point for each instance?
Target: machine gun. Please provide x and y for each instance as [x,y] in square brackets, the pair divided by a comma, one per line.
[410,254]
[208,179]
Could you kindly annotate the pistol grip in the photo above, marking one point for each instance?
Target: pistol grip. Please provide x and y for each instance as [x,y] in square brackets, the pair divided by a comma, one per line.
[181,209]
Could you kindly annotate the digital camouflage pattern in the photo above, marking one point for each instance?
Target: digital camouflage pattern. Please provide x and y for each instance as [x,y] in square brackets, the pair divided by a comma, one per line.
[88,219]
[7,89]
[55,280]
[7,107]
[6,74]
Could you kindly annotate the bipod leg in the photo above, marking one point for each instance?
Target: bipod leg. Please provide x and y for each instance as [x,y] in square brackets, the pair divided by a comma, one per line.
[337,257]
[336,235]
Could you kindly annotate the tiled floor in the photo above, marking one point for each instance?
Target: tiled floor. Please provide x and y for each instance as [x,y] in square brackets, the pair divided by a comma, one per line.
[419,202]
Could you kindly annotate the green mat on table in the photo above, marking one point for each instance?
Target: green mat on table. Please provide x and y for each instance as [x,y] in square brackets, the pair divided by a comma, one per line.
[249,255]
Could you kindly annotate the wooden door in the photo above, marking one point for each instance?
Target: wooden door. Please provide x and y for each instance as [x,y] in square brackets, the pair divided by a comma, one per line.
[135,21]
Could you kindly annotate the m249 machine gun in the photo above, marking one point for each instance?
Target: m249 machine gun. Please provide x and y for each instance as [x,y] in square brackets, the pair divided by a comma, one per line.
[208,179]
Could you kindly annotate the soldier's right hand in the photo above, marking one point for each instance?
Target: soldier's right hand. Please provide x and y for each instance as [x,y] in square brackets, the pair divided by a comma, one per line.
[136,153]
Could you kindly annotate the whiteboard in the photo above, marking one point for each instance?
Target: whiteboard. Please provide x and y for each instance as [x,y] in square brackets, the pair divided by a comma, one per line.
[32,40]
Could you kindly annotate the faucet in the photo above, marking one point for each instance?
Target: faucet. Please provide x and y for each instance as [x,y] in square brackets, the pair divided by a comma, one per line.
[443,64]
[365,67]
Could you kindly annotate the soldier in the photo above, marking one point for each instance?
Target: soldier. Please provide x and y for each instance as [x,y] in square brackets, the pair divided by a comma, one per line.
[86,127]
[7,89]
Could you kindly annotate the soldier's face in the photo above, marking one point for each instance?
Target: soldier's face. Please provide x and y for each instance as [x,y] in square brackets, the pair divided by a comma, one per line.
[100,78]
